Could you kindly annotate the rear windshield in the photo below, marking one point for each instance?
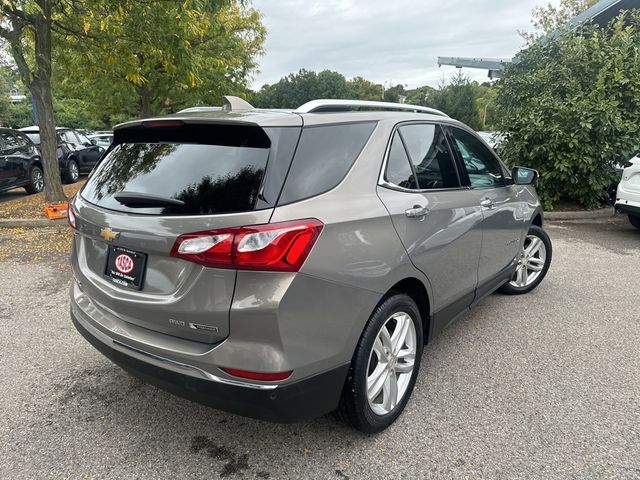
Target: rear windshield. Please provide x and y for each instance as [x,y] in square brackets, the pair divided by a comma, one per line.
[209,170]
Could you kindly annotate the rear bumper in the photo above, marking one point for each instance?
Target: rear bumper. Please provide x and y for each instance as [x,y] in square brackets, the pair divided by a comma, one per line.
[628,209]
[293,402]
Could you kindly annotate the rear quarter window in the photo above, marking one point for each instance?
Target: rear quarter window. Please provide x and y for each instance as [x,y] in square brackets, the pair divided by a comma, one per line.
[324,156]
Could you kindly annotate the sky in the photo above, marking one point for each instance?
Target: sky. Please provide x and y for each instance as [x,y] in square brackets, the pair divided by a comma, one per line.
[394,41]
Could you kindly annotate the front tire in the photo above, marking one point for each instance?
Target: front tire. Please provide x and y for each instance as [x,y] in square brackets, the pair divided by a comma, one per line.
[36,181]
[635,220]
[384,366]
[534,260]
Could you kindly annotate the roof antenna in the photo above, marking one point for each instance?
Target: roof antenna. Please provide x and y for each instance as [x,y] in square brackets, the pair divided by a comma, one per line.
[235,104]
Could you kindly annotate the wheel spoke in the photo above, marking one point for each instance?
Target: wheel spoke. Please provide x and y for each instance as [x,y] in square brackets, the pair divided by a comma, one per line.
[534,246]
[378,348]
[400,333]
[390,392]
[521,276]
[535,264]
[386,339]
[376,381]
[406,366]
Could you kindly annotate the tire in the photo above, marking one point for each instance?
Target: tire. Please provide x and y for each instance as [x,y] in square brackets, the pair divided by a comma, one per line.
[73,172]
[539,258]
[36,180]
[635,220]
[355,407]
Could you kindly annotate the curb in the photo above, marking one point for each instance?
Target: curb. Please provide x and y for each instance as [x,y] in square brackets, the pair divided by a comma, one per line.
[33,223]
[581,214]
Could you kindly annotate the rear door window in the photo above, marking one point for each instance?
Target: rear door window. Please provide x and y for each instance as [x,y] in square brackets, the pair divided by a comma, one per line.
[211,169]
[324,156]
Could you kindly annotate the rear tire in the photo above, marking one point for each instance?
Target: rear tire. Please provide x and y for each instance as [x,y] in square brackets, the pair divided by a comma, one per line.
[36,181]
[635,221]
[534,260]
[384,366]
[73,172]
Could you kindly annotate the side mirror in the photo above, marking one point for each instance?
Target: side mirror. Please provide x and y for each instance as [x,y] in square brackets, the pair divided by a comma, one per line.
[94,141]
[523,175]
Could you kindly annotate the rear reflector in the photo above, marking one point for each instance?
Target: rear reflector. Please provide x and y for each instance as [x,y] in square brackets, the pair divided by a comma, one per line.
[279,247]
[266,377]
[71,215]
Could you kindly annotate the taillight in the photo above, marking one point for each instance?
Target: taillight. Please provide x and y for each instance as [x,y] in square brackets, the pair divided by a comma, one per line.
[268,377]
[272,247]
[71,216]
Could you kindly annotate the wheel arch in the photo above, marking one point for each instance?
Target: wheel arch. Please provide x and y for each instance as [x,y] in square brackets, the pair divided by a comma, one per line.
[537,220]
[415,289]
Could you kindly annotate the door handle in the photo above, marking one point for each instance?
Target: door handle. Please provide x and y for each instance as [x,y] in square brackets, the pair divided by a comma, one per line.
[416,212]
[487,203]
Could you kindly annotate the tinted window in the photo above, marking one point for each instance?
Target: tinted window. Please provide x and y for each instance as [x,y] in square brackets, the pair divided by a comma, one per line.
[399,170]
[482,166]
[428,151]
[324,156]
[22,140]
[10,142]
[69,137]
[83,140]
[211,169]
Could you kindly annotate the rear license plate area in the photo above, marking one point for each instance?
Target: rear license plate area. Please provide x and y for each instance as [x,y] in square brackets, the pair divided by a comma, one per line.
[125,267]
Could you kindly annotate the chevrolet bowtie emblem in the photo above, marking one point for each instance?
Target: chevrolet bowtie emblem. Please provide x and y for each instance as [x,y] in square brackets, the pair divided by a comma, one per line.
[109,234]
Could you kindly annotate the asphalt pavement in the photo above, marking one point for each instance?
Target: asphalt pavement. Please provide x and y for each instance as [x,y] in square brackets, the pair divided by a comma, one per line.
[545,385]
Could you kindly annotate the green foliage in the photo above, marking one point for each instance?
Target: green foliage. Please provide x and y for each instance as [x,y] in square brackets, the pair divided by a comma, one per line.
[458,99]
[147,58]
[571,108]
[421,96]
[553,17]
[363,89]
[298,88]
[393,94]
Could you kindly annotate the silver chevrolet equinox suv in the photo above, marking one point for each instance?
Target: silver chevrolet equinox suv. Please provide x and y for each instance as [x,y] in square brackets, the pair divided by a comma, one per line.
[286,264]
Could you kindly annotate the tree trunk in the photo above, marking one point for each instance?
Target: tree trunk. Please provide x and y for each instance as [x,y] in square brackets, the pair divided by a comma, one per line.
[145,101]
[40,88]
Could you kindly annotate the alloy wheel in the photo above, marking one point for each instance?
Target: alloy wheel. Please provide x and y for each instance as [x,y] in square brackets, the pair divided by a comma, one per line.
[38,180]
[73,171]
[531,262]
[391,363]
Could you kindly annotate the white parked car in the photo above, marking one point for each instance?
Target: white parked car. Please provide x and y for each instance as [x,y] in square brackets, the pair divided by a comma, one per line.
[628,196]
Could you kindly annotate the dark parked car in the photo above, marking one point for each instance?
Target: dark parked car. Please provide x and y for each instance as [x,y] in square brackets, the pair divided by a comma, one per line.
[20,164]
[76,153]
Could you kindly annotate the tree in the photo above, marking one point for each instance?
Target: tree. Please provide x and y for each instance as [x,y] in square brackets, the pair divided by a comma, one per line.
[5,105]
[363,89]
[27,28]
[551,18]
[298,88]
[393,94]
[457,98]
[571,108]
[147,58]
[421,96]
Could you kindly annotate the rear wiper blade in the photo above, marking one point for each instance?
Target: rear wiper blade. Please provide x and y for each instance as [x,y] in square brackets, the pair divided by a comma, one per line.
[142,200]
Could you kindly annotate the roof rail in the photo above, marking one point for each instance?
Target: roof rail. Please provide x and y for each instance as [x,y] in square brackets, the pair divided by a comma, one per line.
[331,105]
